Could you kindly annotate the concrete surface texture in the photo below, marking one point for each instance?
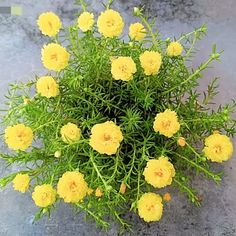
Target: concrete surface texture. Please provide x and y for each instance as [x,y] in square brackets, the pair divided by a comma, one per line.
[20,44]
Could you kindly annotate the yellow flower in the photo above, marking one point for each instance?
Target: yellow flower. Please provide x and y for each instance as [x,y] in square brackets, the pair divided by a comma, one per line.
[110,24]
[181,141]
[18,137]
[159,173]
[123,68]
[150,207]
[137,31]
[70,133]
[54,57]
[47,86]
[174,49]
[166,123]
[21,182]
[150,62]
[49,23]
[72,187]
[218,147]
[57,154]
[98,192]
[44,195]
[86,21]
[106,138]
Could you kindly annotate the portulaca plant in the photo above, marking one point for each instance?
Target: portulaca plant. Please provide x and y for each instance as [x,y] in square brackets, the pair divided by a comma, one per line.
[117,120]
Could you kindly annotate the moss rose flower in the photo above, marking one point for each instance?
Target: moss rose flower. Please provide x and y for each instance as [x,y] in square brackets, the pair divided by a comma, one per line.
[159,173]
[150,207]
[106,138]
[110,23]
[18,137]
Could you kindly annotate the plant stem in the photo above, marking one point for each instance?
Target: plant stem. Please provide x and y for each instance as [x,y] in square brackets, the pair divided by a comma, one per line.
[208,173]
[98,172]
[154,41]
[188,191]
[202,67]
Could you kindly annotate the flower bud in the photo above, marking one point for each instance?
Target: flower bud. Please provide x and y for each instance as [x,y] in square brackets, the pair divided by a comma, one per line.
[98,192]
[122,188]
[181,141]
[57,154]
[137,11]
[167,197]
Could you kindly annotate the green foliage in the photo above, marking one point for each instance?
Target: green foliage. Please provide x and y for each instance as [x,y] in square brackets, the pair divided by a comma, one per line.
[89,95]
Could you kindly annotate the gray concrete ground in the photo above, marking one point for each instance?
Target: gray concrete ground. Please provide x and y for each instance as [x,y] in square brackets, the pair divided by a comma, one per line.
[20,44]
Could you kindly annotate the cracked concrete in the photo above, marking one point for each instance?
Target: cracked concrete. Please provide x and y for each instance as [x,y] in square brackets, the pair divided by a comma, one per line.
[20,45]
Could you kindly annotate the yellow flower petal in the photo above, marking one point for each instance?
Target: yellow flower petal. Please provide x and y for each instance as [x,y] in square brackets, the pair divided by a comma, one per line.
[166,123]
[150,62]
[137,31]
[49,23]
[18,137]
[174,49]
[110,24]
[218,147]
[44,195]
[159,173]
[106,138]
[21,182]
[72,187]
[54,57]
[123,68]
[86,21]
[47,86]
[150,207]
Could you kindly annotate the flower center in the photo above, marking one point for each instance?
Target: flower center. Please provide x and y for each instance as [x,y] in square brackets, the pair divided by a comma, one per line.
[107,137]
[110,23]
[158,173]
[150,62]
[218,149]
[150,207]
[54,57]
[166,124]
[123,68]
[50,24]
[73,186]
[44,196]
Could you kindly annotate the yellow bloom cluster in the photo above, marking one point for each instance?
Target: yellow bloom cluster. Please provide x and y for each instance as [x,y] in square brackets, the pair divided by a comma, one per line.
[86,21]
[150,207]
[123,68]
[49,24]
[72,187]
[106,137]
[218,147]
[21,182]
[110,23]
[159,173]
[174,49]
[44,195]
[70,133]
[18,137]
[54,57]
[47,86]
[137,31]
[166,123]
[150,62]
